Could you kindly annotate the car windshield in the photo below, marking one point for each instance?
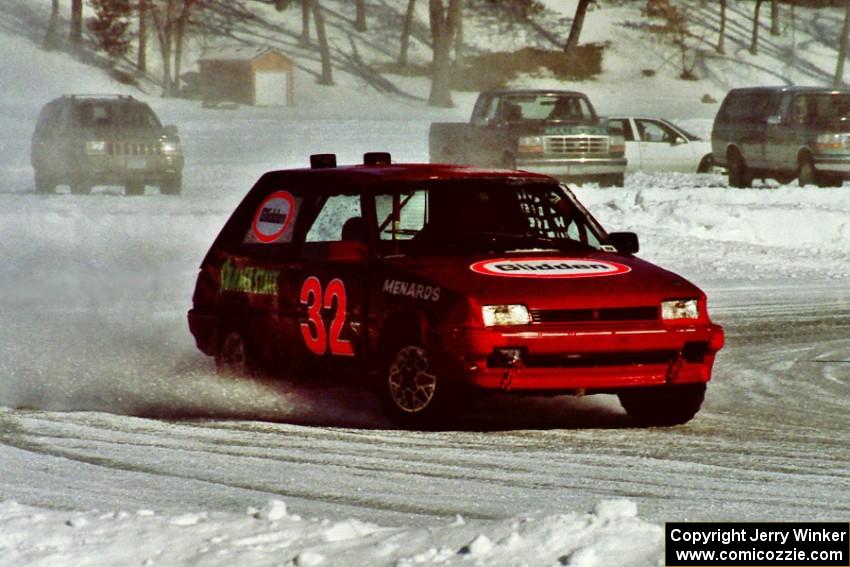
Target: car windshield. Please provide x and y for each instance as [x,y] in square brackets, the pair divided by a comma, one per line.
[826,108]
[547,107]
[688,135]
[483,217]
[108,114]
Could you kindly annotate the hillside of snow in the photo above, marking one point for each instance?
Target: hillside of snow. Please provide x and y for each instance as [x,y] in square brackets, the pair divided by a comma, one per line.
[94,292]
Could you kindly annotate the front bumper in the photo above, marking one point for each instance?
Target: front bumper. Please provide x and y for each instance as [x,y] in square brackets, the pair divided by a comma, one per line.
[833,164]
[587,359]
[121,169]
[572,167]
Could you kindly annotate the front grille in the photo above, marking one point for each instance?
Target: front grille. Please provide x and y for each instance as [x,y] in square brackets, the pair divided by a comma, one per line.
[132,148]
[606,314]
[592,360]
[575,144]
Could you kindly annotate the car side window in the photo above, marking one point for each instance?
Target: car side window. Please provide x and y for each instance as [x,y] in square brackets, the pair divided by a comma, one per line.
[485,110]
[652,131]
[273,221]
[621,125]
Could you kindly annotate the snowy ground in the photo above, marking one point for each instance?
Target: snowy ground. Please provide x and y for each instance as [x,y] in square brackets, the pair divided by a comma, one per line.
[118,440]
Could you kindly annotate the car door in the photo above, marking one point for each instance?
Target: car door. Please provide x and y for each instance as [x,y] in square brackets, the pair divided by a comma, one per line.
[328,291]
[487,134]
[632,145]
[661,147]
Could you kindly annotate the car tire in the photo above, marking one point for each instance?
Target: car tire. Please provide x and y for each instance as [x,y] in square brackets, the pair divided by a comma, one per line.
[613,180]
[706,165]
[234,356]
[171,187]
[414,395]
[806,174]
[134,189]
[663,405]
[80,187]
[43,183]
[740,175]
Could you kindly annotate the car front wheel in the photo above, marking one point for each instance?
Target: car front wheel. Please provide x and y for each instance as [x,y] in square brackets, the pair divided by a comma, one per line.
[807,174]
[413,393]
[740,175]
[171,187]
[43,183]
[663,405]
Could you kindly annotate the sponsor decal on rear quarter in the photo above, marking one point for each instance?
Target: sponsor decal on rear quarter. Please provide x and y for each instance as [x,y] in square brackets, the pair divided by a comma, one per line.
[273,216]
[552,267]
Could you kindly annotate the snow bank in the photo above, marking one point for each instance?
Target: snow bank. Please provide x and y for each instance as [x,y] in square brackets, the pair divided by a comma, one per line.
[610,535]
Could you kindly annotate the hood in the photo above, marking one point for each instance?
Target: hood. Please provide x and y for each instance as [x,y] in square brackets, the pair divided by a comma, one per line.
[554,280]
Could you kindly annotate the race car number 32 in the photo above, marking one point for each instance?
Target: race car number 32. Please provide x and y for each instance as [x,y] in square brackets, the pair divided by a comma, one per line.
[313,330]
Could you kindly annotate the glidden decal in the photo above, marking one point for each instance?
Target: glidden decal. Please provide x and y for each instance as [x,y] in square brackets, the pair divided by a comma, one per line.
[273,216]
[548,268]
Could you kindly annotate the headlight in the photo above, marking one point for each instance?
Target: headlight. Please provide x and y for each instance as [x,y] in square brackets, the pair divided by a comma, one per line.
[169,147]
[616,144]
[96,147]
[530,145]
[831,141]
[679,309]
[505,315]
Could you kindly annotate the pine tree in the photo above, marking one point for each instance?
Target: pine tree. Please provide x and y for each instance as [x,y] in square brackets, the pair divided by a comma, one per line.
[110,25]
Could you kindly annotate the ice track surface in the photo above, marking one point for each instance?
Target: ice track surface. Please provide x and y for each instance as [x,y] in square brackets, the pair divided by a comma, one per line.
[107,404]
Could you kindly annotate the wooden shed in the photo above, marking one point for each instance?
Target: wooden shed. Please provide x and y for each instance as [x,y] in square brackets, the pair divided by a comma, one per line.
[248,75]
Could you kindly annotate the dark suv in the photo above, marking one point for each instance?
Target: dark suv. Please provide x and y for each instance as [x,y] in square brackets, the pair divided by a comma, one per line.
[783,133]
[90,140]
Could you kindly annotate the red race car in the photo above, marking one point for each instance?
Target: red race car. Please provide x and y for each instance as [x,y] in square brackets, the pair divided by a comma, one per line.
[432,282]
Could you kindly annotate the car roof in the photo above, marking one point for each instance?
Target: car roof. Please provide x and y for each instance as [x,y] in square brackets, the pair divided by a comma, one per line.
[395,173]
[500,92]
[791,89]
[74,98]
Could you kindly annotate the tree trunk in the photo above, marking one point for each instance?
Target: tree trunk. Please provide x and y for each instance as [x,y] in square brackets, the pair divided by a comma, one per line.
[179,36]
[842,48]
[324,48]
[443,27]
[280,5]
[405,32]
[142,55]
[50,37]
[722,39]
[774,17]
[459,39]
[305,22]
[754,44]
[76,35]
[578,23]
[360,19]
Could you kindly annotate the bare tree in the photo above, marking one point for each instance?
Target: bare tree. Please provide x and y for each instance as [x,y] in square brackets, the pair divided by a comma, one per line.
[170,18]
[842,48]
[459,39]
[722,39]
[360,18]
[575,28]
[142,51]
[50,36]
[774,17]
[76,35]
[405,32]
[754,43]
[443,25]
[324,48]
[305,22]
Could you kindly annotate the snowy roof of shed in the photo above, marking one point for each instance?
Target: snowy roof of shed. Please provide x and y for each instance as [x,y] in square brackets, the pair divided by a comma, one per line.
[237,53]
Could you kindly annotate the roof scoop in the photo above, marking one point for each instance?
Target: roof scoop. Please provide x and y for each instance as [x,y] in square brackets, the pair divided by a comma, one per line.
[322,161]
[377,158]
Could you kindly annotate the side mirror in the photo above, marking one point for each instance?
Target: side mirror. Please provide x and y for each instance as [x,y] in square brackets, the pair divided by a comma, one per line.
[774,120]
[677,141]
[624,242]
[170,130]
